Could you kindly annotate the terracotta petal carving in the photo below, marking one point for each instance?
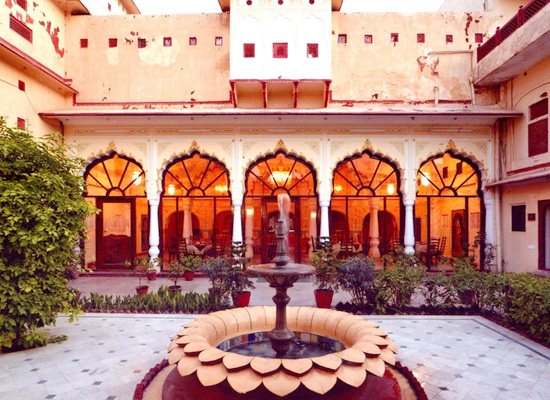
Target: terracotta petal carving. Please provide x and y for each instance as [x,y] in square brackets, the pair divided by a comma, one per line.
[175,355]
[188,365]
[370,349]
[265,366]
[244,381]
[351,375]
[281,383]
[388,356]
[375,366]
[297,366]
[234,361]
[210,375]
[353,356]
[211,355]
[330,362]
[319,381]
[194,348]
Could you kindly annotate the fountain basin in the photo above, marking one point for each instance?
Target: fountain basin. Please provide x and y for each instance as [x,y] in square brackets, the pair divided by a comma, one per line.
[359,368]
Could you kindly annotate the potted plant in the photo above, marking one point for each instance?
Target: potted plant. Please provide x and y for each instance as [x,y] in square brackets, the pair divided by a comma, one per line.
[216,269]
[189,265]
[238,281]
[139,267]
[152,273]
[327,273]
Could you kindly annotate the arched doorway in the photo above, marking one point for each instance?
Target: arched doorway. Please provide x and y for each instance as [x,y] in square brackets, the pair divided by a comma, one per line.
[449,205]
[365,184]
[195,204]
[120,232]
[265,179]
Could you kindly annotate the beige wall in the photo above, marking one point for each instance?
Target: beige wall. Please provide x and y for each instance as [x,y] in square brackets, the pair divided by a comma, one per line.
[47,22]
[520,250]
[406,70]
[127,73]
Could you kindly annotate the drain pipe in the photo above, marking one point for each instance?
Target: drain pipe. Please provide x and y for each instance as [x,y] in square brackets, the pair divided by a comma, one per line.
[472,91]
[436,94]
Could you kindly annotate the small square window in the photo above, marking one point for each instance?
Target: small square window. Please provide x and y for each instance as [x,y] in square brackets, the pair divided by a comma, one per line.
[539,109]
[479,37]
[249,50]
[142,43]
[218,41]
[420,38]
[368,39]
[280,50]
[192,41]
[449,38]
[394,37]
[342,38]
[22,86]
[83,43]
[113,42]
[167,41]
[21,123]
[518,218]
[312,50]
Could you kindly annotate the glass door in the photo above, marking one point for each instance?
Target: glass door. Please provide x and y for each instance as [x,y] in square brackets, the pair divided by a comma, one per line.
[115,233]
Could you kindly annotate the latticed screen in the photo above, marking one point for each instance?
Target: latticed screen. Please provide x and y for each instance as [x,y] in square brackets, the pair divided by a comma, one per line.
[20,28]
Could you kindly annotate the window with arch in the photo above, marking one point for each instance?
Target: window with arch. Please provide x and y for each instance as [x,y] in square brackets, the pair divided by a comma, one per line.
[449,206]
[365,184]
[265,179]
[196,206]
[120,232]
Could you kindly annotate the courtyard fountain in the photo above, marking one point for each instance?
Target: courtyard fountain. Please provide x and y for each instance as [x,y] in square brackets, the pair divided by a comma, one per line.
[311,353]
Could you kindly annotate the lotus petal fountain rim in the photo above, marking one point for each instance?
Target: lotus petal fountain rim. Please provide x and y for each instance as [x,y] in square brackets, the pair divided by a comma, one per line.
[368,348]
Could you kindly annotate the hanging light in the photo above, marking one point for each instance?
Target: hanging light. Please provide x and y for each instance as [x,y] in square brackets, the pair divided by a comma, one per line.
[313,214]
[425,179]
[250,211]
[171,189]
[221,188]
[391,188]
[280,176]
[136,175]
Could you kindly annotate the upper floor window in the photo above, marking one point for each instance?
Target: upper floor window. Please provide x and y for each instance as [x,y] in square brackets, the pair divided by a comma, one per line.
[22,4]
[420,38]
[538,128]
[167,41]
[280,50]
[342,38]
[249,50]
[142,43]
[368,39]
[84,43]
[394,37]
[20,28]
[113,42]
[218,41]
[479,37]
[192,41]
[312,50]
[448,38]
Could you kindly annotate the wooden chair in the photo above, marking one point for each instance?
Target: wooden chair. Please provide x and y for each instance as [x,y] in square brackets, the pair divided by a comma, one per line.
[432,252]
[182,247]
[440,250]
[219,245]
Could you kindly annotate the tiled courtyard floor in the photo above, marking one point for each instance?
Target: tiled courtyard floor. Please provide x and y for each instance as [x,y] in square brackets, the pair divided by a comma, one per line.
[106,355]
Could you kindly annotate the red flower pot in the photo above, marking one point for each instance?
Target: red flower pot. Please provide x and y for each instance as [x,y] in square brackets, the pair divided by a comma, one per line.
[188,275]
[142,290]
[152,274]
[241,299]
[323,297]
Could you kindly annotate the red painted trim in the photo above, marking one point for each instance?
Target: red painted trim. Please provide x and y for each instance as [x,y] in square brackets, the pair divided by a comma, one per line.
[296,83]
[36,64]
[264,93]
[531,168]
[150,104]
[351,102]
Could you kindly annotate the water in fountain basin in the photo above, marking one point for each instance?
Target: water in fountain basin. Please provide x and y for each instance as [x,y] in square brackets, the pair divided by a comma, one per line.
[303,345]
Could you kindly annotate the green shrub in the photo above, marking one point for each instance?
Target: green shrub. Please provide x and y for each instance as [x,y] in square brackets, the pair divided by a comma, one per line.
[357,278]
[164,301]
[327,266]
[42,221]
[398,281]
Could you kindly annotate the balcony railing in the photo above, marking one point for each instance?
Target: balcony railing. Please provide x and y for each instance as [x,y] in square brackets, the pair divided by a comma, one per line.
[524,14]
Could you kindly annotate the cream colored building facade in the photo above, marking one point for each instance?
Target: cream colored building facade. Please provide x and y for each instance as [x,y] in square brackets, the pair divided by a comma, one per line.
[383,128]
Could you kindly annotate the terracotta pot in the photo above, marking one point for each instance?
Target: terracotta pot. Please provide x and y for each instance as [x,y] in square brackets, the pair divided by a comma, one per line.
[241,299]
[142,290]
[175,288]
[188,275]
[323,297]
[152,274]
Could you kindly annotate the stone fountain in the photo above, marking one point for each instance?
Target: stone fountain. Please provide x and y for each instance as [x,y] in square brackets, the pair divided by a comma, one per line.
[311,353]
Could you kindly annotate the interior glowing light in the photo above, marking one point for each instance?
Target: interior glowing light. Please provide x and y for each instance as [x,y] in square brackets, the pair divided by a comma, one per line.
[338,188]
[425,179]
[136,175]
[221,188]
[250,211]
[171,189]
[280,176]
[391,188]
[313,214]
